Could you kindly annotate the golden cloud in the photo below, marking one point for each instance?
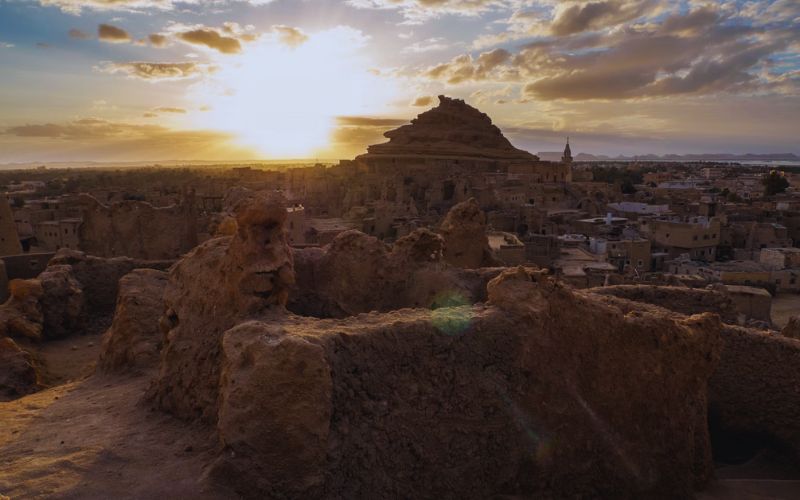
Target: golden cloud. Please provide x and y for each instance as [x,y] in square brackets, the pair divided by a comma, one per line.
[694,52]
[158,40]
[112,34]
[168,109]
[293,37]
[423,101]
[96,139]
[212,39]
[154,71]
[353,134]
[77,6]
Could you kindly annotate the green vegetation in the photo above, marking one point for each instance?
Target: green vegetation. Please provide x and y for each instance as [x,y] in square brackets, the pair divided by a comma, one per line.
[774,183]
[614,175]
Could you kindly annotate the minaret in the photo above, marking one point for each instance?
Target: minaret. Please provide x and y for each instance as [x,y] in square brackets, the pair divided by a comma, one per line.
[567,158]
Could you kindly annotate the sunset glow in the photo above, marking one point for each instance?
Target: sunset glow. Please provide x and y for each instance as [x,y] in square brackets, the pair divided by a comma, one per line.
[283,101]
[249,79]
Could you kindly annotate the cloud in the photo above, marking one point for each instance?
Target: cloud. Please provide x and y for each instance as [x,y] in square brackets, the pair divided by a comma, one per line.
[416,11]
[212,39]
[77,6]
[369,121]
[574,18]
[495,95]
[96,139]
[423,101]
[155,71]
[465,68]
[79,35]
[227,39]
[352,134]
[660,63]
[293,37]
[155,112]
[112,34]
[4,45]
[158,40]
[428,45]
[692,23]
[725,123]
[102,105]
[86,128]
[168,109]
[703,51]
[521,24]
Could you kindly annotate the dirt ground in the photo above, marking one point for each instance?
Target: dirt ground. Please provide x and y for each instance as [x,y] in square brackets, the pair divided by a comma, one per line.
[784,306]
[93,438]
[70,359]
[759,479]
[90,437]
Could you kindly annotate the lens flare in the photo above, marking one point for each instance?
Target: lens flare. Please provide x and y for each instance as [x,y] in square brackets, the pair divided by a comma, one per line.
[452,313]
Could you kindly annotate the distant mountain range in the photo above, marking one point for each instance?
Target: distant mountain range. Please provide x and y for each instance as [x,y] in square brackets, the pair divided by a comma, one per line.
[556,156]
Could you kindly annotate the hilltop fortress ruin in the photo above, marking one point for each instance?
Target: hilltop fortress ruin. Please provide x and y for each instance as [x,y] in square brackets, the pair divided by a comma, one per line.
[447,154]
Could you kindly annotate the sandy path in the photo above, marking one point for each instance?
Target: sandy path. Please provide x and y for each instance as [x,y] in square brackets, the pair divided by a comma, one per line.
[93,439]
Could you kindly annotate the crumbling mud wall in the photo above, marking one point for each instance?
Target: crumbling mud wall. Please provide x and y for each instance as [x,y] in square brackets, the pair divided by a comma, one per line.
[21,321]
[50,306]
[137,229]
[62,302]
[754,394]
[752,303]
[99,277]
[754,404]
[540,391]
[19,374]
[679,299]
[217,285]
[21,315]
[133,342]
[792,328]
[74,295]
[358,273]
[465,242]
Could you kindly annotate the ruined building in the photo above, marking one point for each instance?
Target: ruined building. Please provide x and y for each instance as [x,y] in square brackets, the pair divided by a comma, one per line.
[456,136]
[9,239]
[445,156]
[364,370]
[137,229]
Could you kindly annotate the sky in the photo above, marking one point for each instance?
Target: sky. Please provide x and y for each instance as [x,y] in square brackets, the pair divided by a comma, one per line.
[150,80]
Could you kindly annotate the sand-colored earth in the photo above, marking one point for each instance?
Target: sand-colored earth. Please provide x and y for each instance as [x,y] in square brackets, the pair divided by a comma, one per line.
[93,438]
[763,477]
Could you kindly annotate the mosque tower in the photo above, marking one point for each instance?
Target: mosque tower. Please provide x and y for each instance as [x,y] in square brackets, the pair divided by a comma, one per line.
[567,158]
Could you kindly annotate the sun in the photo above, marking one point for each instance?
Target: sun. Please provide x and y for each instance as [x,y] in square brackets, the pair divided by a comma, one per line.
[283,101]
